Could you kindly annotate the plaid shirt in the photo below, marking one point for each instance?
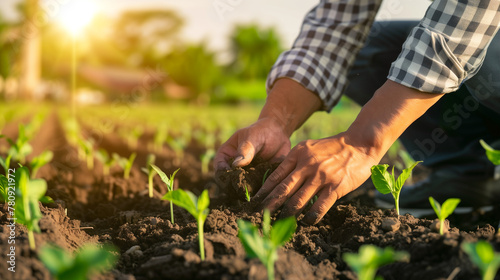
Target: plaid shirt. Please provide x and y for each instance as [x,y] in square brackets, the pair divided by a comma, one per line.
[445,49]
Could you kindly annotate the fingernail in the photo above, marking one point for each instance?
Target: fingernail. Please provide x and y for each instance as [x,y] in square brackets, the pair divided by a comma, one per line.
[237,160]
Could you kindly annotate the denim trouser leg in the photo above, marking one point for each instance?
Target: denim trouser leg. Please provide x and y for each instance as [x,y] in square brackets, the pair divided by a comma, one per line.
[447,135]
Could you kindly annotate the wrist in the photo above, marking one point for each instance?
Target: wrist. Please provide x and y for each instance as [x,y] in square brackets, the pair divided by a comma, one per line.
[289,104]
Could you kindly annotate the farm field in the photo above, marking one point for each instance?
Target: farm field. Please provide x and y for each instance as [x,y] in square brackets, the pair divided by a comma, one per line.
[94,202]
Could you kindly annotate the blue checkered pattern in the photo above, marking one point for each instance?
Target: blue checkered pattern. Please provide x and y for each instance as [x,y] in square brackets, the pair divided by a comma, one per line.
[444,50]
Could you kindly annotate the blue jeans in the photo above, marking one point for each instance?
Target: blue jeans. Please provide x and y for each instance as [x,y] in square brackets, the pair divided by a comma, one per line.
[447,135]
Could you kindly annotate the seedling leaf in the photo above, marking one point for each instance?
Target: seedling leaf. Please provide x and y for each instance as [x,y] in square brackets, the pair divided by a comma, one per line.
[444,211]
[492,154]
[482,254]
[282,231]
[381,178]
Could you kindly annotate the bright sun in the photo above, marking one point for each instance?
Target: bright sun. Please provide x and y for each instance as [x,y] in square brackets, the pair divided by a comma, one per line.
[76,14]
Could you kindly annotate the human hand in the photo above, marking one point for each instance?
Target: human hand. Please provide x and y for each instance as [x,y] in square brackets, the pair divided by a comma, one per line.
[265,138]
[329,168]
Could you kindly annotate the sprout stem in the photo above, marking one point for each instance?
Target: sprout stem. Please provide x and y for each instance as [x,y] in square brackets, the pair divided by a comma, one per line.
[172,211]
[31,239]
[150,184]
[200,238]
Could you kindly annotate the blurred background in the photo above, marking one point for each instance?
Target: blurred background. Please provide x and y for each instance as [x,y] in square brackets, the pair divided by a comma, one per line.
[129,51]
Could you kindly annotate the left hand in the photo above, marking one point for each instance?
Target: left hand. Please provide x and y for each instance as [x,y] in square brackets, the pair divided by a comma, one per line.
[329,168]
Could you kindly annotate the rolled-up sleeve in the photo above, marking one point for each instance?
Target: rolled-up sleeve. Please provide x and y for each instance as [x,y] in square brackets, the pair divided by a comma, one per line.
[448,46]
[331,36]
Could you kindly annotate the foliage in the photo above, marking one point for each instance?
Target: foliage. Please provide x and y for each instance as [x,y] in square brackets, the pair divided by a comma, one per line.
[254,51]
[88,260]
[247,194]
[5,163]
[125,163]
[443,211]
[20,149]
[170,185]
[150,172]
[196,206]
[370,258]
[492,154]
[482,254]
[28,193]
[39,161]
[386,183]
[266,247]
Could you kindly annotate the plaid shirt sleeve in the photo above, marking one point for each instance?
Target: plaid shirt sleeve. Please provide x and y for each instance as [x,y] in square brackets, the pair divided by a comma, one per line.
[331,35]
[448,46]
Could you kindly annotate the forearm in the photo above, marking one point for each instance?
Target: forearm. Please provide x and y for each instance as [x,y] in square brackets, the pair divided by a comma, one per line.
[290,104]
[386,116]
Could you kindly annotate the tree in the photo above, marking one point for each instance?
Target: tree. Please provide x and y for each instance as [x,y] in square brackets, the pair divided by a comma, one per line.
[254,51]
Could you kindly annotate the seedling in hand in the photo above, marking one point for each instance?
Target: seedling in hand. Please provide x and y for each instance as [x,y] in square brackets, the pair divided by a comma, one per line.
[28,193]
[39,161]
[386,183]
[266,247]
[106,161]
[482,254]
[150,172]
[170,185]
[370,258]
[443,211]
[125,163]
[197,206]
[87,261]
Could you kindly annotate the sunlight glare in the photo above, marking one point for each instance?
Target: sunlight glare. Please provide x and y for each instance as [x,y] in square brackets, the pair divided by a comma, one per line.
[76,14]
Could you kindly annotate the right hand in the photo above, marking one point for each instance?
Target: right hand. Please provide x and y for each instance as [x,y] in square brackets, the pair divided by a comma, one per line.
[265,138]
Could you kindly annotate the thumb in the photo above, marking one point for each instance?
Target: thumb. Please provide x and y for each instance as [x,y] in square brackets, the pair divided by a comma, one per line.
[246,153]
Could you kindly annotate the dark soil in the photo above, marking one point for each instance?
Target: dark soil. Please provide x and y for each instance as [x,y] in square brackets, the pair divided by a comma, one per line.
[91,207]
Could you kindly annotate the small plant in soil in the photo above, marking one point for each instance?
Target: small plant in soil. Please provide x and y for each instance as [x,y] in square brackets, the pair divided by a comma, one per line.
[482,254]
[5,162]
[196,206]
[39,161]
[247,194]
[205,160]
[87,261]
[492,154]
[443,211]
[266,247]
[125,164]
[178,144]
[28,193]
[21,148]
[150,172]
[160,138]
[170,186]
[106,160]
[385,182]
[87,147]
[264,178]
[370,258]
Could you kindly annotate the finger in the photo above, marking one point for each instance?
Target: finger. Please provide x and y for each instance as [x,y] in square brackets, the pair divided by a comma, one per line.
[281,154]
[283,191]
[246,152]
[220,162]
[326,198]
[287,166]
[299,200]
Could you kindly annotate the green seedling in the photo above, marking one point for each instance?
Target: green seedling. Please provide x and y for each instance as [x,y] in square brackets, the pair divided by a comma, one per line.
[178,145]
[106,160]
[205,160]
[370,258]
[39,161]
[150,172]
[5,163]
[160,138]
[492,154]
[264,178]
[28,193]
[170,186]
[266,247]
[247,194]
[85,262]
[132,136]
[386,183]
[482,254]
[197,206]
[125,164]
[443,211]
[20,149]
[87,147]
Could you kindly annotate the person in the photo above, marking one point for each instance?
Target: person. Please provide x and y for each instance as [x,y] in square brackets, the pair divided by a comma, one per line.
[431,83]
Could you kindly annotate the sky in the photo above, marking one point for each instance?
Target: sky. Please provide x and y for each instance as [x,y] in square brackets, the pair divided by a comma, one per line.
[213,20]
